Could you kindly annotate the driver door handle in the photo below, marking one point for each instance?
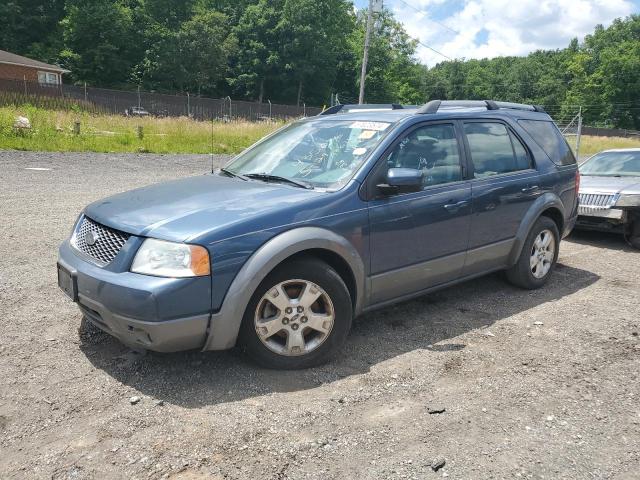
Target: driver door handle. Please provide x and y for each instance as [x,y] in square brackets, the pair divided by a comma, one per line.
[454,207]
[530,189]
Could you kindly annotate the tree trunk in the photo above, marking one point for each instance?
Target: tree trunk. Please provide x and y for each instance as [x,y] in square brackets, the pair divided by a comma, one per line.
[299,93]
[261,94]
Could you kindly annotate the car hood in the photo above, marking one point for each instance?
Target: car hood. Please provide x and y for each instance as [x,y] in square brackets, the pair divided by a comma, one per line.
[610,185]
[184,209]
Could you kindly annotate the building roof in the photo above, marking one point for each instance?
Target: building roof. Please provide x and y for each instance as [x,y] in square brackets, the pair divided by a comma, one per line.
[13,59]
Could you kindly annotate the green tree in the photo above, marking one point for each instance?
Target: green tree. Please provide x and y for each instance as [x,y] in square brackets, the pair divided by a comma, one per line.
[31,28]
[313,35]
[393,73]
[258,46]
[192,59]
[168,13]
[100,47]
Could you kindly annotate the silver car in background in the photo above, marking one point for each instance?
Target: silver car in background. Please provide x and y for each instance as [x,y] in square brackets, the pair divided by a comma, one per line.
[609,198]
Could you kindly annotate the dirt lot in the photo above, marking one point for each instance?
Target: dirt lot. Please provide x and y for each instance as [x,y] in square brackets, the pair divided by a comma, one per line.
[537,384]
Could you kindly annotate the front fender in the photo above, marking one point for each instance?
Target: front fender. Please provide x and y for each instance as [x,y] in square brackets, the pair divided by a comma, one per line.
[224,325]
[542,203]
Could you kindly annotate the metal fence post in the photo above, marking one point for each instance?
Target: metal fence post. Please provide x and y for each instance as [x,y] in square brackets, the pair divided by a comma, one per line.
[579,134]
[140,132]
[269,109]
[85,91]
[188,105]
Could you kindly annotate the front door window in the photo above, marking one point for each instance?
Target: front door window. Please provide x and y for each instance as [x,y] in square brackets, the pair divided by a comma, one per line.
[433,149]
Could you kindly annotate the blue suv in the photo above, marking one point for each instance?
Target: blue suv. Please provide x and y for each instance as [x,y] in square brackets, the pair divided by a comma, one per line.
[325,219]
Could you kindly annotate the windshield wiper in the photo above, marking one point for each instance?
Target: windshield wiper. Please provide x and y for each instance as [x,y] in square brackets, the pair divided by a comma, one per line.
[277,178]
[233,174]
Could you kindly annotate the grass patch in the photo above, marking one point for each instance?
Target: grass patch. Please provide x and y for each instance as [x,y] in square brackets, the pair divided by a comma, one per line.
[591,145]
[53,131]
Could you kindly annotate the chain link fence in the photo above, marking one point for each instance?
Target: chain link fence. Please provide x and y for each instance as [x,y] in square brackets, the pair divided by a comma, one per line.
[109,101]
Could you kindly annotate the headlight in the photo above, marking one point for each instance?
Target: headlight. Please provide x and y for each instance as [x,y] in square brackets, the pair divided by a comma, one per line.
[168,259]
[628,201]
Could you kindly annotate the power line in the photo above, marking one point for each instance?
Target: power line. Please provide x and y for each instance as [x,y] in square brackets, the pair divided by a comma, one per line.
[432,49]
[441,24]
[430,19]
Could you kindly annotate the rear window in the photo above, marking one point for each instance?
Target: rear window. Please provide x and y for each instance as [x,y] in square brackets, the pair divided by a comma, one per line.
[549,138]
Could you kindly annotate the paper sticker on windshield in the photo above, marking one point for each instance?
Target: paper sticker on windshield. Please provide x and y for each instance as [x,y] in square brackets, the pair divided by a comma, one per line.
[366,134]
[377,126]
[359,151]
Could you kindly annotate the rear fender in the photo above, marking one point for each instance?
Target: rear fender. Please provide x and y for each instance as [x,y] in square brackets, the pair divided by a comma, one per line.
[542,203]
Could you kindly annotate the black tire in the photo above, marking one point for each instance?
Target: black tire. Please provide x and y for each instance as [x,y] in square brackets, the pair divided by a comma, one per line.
[321,274]
[634,237]
[521,273]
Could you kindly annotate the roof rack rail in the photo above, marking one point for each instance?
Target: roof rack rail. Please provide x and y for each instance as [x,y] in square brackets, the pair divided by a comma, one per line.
[373,107]
[434,105]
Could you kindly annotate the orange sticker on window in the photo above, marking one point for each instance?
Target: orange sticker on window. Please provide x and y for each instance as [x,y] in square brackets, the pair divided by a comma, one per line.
[366,134]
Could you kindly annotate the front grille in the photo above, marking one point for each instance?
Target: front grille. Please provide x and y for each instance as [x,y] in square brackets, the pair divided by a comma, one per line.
[588,202]
[107,241]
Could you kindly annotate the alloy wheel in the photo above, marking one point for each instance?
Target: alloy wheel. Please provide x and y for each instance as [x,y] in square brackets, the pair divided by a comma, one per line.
[294,317]
[542,253]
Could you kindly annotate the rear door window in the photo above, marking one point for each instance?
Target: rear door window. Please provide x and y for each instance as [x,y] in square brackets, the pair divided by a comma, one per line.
[494,150]
[549,138]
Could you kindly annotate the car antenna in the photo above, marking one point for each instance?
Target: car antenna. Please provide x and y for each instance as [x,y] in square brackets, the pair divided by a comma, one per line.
[212,144]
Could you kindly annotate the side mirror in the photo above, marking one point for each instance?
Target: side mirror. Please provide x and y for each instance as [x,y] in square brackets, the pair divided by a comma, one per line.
[401,180]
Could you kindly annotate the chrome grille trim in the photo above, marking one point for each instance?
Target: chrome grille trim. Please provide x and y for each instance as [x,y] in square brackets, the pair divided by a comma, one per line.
[590,202]
[107,245]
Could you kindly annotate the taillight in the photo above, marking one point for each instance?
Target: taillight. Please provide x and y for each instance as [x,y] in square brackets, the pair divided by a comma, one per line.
[577,181]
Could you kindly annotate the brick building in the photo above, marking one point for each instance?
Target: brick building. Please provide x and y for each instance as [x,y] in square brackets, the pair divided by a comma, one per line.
[17,67]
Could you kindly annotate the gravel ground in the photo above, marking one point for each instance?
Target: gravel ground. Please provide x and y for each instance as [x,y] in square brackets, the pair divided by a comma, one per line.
[539,384]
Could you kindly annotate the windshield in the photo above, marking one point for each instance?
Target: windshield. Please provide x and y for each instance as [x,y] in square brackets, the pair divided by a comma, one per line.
[613,164]
[322,154]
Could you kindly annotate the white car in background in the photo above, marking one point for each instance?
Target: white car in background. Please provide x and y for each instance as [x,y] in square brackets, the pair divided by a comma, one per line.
[609,198]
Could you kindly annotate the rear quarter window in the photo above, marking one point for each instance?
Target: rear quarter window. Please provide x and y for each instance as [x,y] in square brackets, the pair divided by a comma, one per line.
[549,138]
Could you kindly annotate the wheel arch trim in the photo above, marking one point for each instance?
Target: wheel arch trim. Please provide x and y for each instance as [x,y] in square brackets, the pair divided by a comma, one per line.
[225,324]
[542,204]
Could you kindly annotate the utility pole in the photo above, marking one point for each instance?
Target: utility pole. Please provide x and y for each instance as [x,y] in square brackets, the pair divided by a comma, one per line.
[365,55]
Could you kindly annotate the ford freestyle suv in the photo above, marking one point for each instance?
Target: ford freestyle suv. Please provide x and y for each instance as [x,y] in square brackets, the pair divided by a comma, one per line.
[327,218]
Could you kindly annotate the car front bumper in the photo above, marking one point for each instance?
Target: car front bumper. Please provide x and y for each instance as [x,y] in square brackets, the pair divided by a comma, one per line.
[604,213]
[603,220]
[161,314]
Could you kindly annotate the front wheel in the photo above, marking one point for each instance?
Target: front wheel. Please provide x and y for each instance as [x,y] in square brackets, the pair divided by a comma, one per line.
[297,317]
[538,257]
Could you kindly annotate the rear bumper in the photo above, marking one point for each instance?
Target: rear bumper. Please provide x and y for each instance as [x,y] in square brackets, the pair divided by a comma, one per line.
[161,314]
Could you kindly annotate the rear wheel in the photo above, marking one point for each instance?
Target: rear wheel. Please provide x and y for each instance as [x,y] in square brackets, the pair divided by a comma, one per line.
[538,257]
[297,317]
